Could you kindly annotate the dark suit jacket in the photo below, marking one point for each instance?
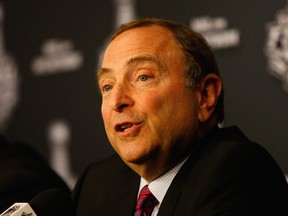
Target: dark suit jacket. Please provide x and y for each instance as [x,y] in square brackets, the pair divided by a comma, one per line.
[24,174]
[226,174]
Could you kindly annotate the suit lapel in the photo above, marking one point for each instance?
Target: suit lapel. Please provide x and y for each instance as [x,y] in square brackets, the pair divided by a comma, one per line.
[171,206]
[128,190]
[170,202]
[123,198]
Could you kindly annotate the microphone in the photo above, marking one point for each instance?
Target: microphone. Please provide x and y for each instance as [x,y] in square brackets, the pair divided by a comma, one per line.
[54,202]
[19,209]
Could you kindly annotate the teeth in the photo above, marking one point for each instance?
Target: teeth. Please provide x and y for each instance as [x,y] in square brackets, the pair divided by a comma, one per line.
[124,127]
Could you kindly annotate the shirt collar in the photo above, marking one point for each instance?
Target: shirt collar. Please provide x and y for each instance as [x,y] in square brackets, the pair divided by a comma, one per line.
[159,186]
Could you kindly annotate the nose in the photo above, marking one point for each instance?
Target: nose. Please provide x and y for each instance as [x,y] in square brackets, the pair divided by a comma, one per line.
[120,98]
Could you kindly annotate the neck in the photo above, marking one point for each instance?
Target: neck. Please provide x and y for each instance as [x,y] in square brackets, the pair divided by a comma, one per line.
[154,168]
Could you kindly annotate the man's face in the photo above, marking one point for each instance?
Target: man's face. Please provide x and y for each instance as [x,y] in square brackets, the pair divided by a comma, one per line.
[150,116]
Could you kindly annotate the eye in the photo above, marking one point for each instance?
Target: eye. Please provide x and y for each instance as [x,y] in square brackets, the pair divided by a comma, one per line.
[143,77]
[107,88]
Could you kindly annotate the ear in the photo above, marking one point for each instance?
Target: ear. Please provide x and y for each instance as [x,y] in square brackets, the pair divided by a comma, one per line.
[210,90]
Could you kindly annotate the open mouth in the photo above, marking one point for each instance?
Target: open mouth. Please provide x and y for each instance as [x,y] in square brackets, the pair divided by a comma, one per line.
[123,127]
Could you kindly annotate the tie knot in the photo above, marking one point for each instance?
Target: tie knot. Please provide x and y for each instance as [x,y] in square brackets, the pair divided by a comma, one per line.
[145,203]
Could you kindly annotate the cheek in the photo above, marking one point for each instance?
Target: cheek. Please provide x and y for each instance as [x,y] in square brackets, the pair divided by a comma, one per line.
[181,111]
[152,104]
[159,109]
[105,115]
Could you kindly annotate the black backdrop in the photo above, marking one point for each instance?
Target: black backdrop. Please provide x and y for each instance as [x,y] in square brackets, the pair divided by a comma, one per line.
[53,49]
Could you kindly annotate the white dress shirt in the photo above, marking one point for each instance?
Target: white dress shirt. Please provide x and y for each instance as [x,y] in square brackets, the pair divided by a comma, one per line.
[159,186]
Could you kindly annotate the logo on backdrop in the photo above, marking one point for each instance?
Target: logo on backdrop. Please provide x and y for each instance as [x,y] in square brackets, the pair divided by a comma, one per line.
[216,31]
[57,56]
[276,47]
[8,80]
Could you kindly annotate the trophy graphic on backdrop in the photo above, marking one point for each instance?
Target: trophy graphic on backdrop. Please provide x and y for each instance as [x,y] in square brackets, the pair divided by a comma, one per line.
[8,80]
[124,12]
[59,143]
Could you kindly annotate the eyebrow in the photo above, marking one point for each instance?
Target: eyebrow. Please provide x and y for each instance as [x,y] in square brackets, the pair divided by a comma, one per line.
[137,59]
[101,71]
[142,59]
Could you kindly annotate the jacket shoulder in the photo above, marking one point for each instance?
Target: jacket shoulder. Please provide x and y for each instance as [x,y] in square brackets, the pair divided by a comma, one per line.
[105,180]
[227,172]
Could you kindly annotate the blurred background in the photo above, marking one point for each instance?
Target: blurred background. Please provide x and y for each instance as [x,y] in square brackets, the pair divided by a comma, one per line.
[49,52]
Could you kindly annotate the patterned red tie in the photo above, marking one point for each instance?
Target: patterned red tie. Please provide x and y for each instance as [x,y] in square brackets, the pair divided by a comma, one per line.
[145,203]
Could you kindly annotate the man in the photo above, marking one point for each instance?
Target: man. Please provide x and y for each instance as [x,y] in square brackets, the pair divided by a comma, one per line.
[162,99]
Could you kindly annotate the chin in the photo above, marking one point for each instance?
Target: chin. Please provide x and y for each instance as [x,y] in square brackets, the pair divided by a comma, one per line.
[139,159]
[133,160]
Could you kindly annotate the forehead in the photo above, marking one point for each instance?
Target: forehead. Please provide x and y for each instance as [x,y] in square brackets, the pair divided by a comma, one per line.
[156,32]
[151,40]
